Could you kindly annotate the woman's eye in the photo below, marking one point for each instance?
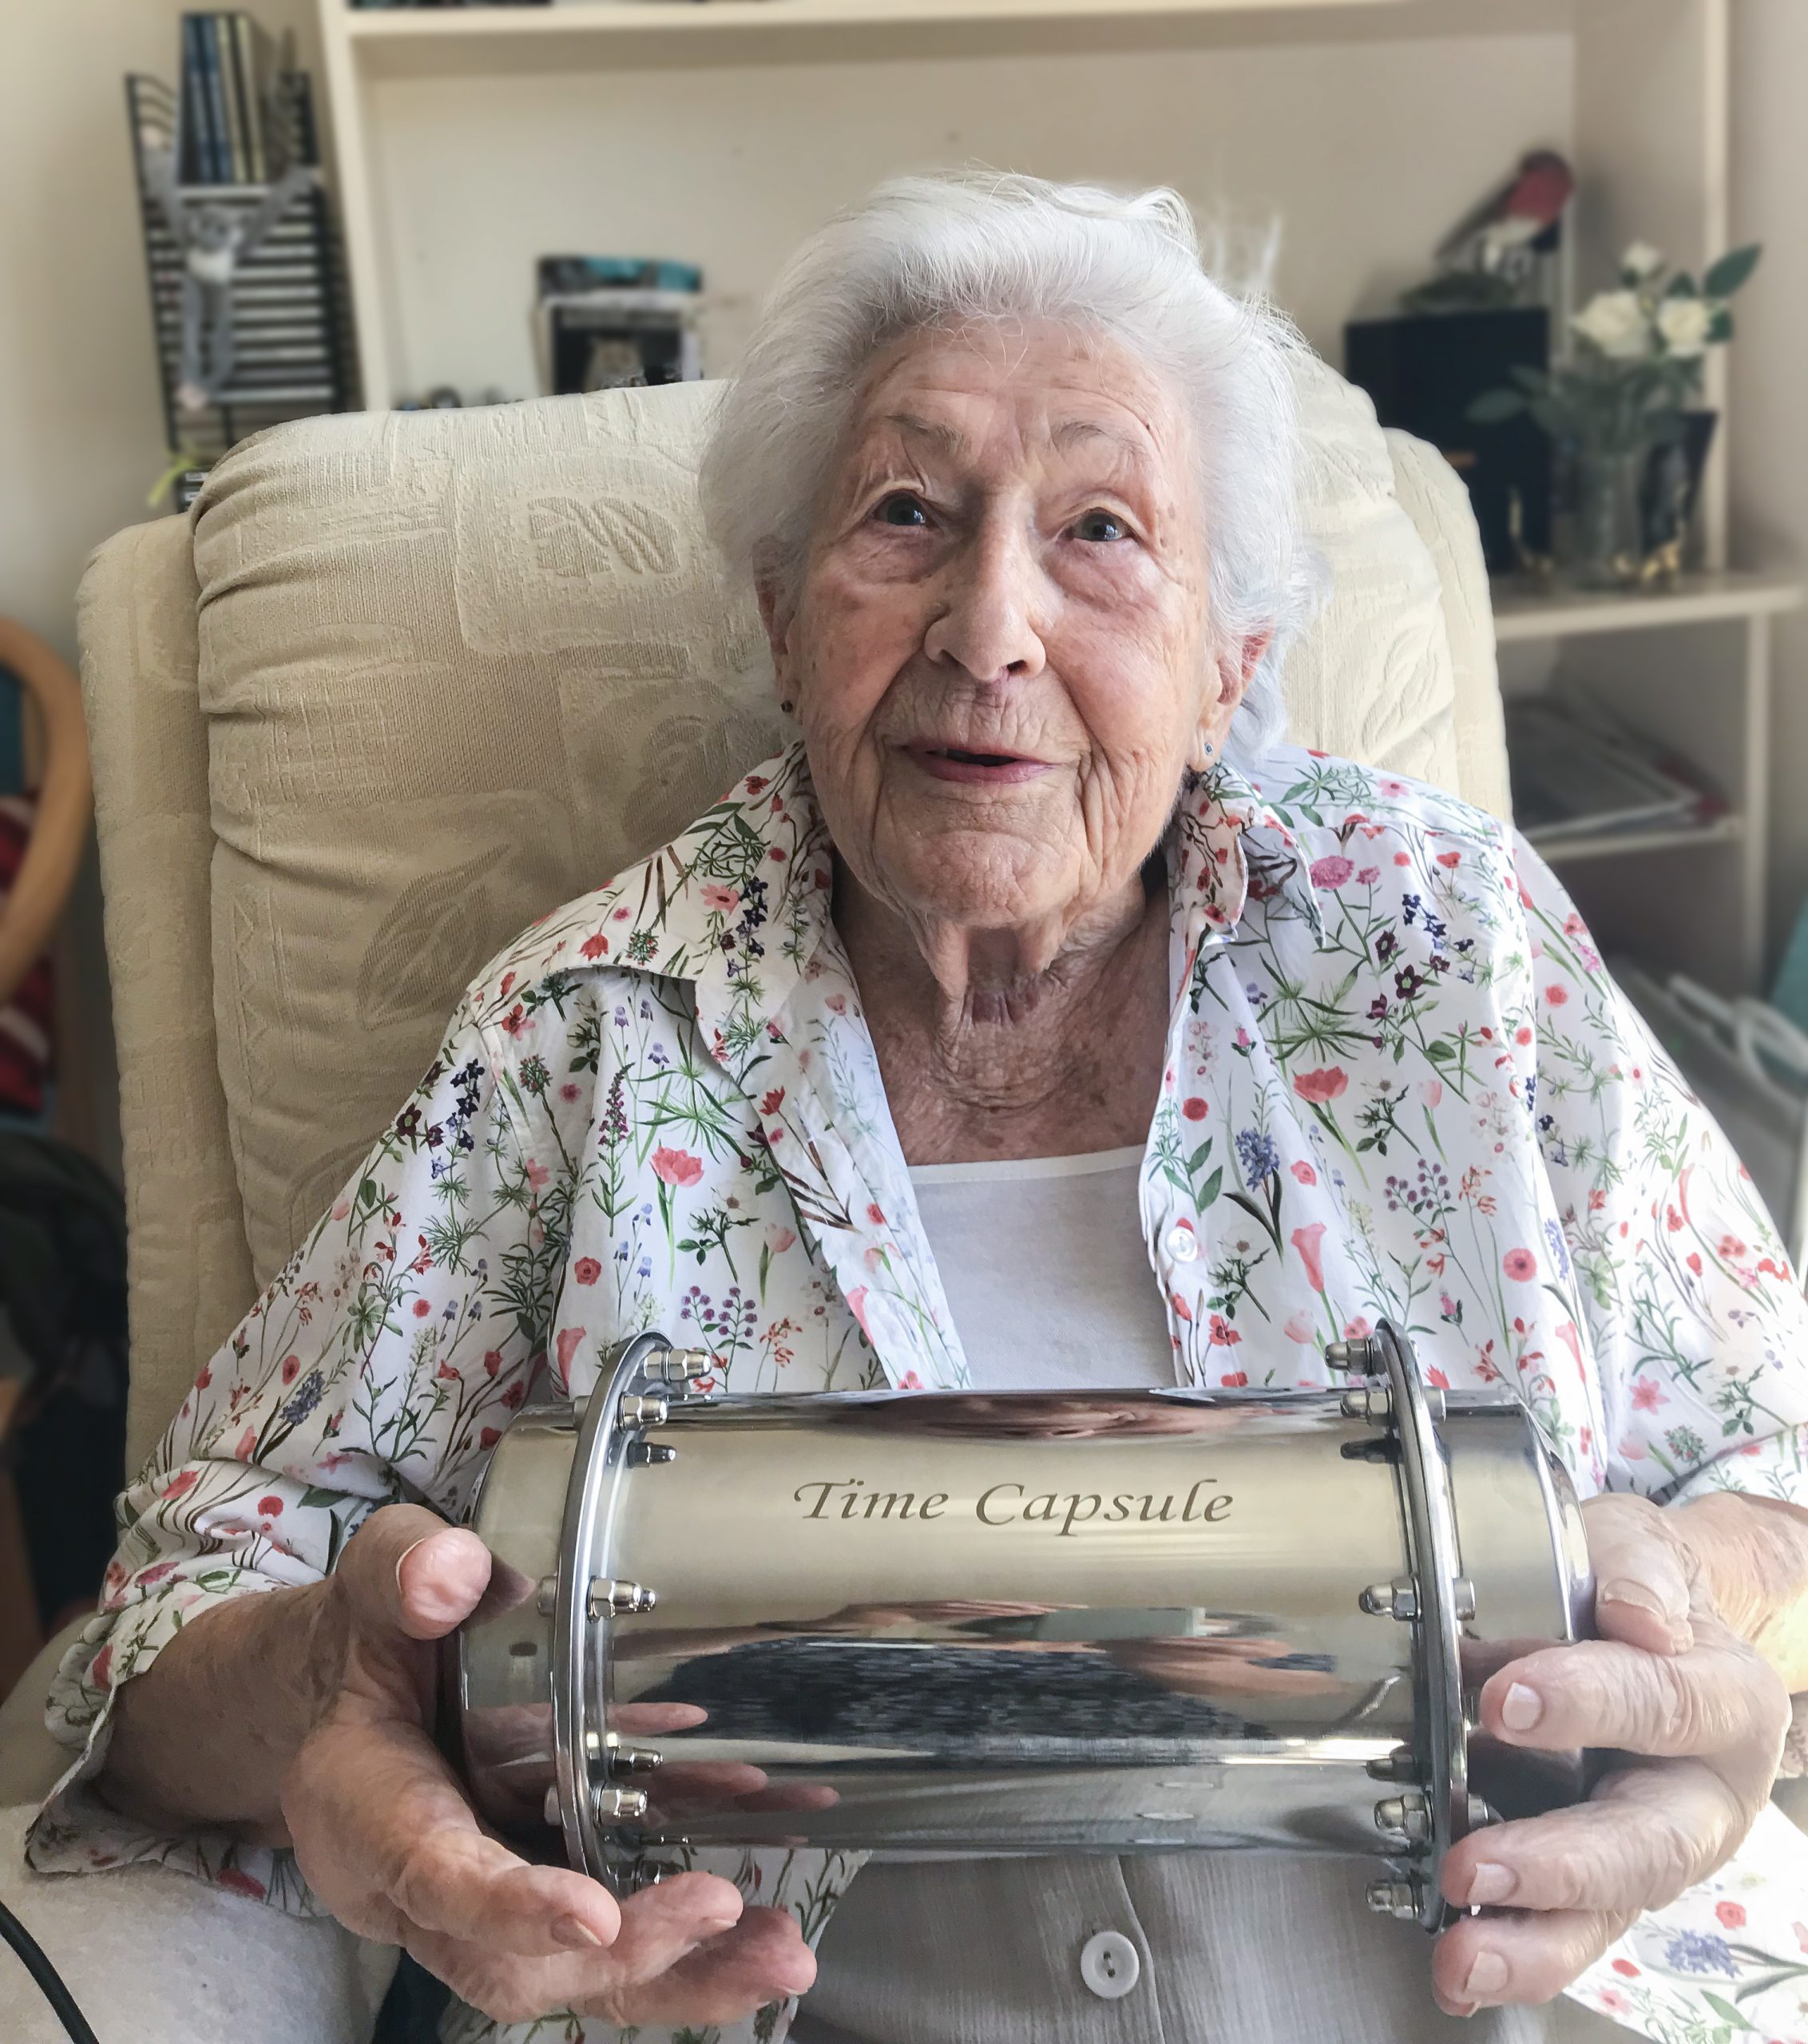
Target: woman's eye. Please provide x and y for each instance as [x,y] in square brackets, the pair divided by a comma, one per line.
[1100,525]
[901,508]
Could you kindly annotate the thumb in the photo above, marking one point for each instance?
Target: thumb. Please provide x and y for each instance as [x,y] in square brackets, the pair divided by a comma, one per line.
[407,1571]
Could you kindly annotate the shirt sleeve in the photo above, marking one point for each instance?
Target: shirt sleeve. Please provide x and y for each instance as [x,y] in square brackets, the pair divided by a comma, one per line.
[1697,1324]
[382,1362]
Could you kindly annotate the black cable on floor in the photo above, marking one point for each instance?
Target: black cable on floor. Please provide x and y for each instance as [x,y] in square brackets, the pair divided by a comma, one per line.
[49,1981]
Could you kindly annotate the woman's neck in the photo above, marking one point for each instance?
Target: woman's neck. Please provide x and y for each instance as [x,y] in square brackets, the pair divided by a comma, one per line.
[1002,1043]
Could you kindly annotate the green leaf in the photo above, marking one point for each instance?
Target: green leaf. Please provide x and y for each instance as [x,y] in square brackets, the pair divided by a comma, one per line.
[324,1499]
[1681,285]
[1721,329]
[1726,2011]
[1208,1192]
[1494,407]
[367,1193]
[1725,277]
[1196,1163]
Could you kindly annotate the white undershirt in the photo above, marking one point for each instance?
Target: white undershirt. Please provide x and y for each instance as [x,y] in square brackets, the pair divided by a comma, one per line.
[1046,1273]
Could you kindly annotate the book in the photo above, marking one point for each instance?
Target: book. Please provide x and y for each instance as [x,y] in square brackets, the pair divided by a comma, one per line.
[196,159]
[220,161]
[238,146]
[1578,771]
[251,47]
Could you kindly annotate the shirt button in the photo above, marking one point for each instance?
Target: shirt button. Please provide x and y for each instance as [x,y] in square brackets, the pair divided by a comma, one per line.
[1182,1244]
[1109,1964]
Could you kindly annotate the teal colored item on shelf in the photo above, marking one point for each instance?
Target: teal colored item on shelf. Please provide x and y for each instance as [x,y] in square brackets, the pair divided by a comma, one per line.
[1789,994]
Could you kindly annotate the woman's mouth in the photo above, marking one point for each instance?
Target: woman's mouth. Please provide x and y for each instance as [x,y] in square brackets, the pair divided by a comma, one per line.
[954,763]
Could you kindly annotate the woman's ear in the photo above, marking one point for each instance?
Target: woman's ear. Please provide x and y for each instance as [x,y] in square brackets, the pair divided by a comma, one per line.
[1235,668]
[778,616]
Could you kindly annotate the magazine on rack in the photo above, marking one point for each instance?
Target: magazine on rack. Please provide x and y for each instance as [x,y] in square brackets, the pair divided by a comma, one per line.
[1578,771]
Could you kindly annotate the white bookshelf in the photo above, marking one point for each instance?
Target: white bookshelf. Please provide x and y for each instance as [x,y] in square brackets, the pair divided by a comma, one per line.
[469,141]
[1692,666]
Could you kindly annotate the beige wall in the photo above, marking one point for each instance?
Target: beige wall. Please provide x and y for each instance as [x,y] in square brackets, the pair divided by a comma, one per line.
[1770,367]
[81,436]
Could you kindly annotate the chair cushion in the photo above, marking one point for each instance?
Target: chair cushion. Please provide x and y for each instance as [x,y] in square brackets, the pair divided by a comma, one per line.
[457,667]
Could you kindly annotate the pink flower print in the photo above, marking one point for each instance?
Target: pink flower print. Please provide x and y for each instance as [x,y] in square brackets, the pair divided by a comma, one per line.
[1431,1091]
[1333,871]
[1521,1264]
[1194,1108]
[179,1485]
[779,1238]
[271,1506]
[1299,1329]
[341,1208]
[1321,1086]
[492,1361]
[567,1347]
[1220,1334]
[489,1437]
[422,1308]
[1646,1396]
[1234,1380]
[620,915]
[247,1447]
[1611,1999]
[502,991]
[1450,858]
[595,947]
[1368,876]
[240,1883]
[1304,1173]
[1357,1330]
[586,1270]
[724,901]
[909,1382]
[676,1167]
[1556,995]
[875,1213]
[291,1366]
[1731,1915]
[1309,1242]
[857,1304]
[448,1372]
[103,1664]
[537,1174]
[517,1391]
[1628,1971]
[1182,1310]
[772,1101]
[836,1004]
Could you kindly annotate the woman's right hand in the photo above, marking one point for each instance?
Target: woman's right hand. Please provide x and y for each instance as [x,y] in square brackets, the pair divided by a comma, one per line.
[385,1837]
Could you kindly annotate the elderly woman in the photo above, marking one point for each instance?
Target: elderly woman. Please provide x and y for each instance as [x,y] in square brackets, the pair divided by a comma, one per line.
[1001,1033]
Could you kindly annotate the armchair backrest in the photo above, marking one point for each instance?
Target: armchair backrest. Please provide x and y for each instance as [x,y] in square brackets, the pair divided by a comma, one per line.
[401,683]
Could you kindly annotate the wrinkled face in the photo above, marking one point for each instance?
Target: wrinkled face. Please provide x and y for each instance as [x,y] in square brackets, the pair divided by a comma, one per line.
[1000,650]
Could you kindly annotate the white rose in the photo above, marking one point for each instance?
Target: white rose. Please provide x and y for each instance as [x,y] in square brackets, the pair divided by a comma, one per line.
[1614,322]
[1684,322]
[1641,261]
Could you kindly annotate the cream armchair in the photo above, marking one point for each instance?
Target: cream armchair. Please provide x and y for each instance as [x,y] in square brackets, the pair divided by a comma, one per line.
[401,684]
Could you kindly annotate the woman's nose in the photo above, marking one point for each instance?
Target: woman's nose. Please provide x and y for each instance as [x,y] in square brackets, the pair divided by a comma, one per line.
[992,625]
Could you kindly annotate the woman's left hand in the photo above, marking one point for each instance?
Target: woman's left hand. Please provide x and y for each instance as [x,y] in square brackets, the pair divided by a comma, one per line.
[1697,1719]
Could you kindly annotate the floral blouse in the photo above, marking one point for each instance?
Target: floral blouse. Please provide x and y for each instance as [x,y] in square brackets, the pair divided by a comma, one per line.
[1397,1082]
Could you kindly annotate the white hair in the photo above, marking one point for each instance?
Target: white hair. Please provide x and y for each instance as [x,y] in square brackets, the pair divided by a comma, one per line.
[944,252]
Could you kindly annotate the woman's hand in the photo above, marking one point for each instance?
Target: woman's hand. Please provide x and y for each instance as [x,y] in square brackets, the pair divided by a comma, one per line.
[1697,1717]
[385,1836]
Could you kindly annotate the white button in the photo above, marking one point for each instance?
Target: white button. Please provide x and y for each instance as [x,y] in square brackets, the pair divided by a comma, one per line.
[1109,1964]
[1182,1244]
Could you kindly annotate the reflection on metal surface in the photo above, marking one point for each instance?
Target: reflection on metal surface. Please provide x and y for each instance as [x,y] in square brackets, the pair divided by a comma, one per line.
[1110,1621]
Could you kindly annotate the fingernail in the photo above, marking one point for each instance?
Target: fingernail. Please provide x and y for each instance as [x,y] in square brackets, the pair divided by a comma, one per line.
[403,1556]
[1491,1882]
[1521,1708]
[1486,1977]
[1642,1597]
[575,1935]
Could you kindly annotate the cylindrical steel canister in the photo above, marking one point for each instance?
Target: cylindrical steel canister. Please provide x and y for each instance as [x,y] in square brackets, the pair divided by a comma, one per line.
[1104,1621]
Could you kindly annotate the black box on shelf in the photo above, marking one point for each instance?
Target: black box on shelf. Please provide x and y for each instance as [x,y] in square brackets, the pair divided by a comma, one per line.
[1424,371]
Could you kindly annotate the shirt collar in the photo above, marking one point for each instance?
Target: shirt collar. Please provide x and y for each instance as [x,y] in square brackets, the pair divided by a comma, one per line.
[738,903]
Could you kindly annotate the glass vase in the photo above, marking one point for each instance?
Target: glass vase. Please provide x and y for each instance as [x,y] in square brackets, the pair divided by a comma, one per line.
[1606,536]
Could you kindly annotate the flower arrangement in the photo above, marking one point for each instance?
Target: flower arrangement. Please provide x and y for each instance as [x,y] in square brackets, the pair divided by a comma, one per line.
[1637,366]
